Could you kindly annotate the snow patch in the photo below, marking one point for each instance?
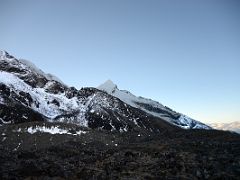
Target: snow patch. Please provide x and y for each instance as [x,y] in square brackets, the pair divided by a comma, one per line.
[108,87]
[39,95]
[17,147]
[1,100]
[187,122]
[2,54]
[52,130]
[5,122]
[34,68]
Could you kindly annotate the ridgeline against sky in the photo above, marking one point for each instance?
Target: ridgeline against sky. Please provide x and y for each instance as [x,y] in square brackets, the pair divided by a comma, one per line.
[185,54]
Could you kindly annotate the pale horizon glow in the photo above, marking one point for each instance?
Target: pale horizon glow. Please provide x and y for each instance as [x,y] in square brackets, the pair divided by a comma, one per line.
[184,54]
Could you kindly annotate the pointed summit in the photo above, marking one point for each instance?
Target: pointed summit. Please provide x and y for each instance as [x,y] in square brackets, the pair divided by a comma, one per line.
[108,87]
[2,54]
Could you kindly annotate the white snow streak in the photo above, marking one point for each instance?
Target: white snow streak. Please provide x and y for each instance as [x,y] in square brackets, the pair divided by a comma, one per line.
[50,130]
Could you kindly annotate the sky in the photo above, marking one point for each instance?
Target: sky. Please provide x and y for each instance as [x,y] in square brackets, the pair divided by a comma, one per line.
[184,54]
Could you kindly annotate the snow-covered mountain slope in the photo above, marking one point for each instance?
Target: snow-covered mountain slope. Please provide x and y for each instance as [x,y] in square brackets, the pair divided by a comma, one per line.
[152,107]
[25,66]
[34,68]
[233,126]
[39,95]
[29,94]
[30,74]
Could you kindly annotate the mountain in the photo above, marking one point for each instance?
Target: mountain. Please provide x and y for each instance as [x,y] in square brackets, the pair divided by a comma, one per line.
[49,130]
[233,126]
[27,94]
[152,107]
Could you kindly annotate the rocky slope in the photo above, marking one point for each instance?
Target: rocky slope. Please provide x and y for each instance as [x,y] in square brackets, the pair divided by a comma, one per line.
[29,94]
[41,150]
[152,107]
[51,131]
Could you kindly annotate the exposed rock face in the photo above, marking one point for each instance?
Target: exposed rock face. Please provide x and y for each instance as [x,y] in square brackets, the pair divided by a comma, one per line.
[23,85]
[15,108]
[51,131]
[31,151]
[25,88]
[152,107]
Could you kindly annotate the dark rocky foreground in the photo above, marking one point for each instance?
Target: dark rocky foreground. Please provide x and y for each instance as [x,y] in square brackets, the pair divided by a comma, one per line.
[179,154]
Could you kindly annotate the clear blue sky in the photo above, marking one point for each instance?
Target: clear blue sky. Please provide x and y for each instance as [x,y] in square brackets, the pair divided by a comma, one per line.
[184,54]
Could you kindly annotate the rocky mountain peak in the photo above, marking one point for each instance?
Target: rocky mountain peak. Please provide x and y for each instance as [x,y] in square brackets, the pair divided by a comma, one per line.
[108,87]
[4,55]
[27,87]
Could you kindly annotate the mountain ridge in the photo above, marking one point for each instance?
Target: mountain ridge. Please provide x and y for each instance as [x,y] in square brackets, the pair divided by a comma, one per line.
[23,84]
[52,131]
[157,109]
